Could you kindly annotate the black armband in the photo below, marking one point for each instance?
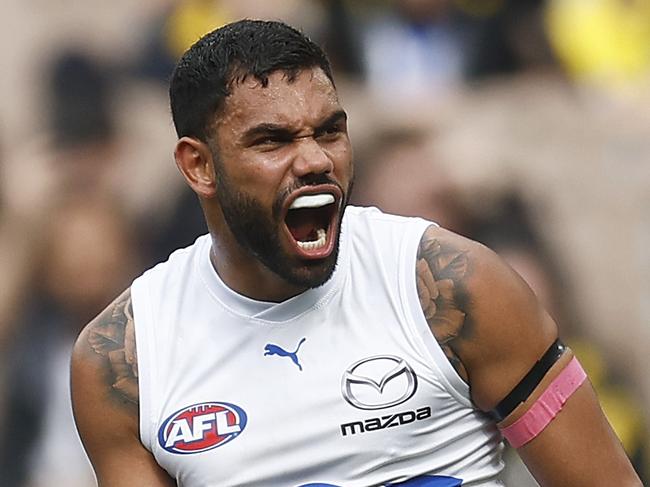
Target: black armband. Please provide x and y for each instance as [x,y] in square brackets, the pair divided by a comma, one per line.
[527,385]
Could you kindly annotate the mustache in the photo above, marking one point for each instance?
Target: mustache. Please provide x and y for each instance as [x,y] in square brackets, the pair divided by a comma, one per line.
[310,180]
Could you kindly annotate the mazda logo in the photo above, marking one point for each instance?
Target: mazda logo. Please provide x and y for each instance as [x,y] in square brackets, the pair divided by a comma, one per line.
[378,382]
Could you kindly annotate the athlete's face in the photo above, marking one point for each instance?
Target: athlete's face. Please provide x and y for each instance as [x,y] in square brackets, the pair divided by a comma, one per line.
[284,171]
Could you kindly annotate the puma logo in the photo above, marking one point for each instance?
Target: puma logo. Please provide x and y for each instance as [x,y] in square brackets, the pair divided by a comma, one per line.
[271,349]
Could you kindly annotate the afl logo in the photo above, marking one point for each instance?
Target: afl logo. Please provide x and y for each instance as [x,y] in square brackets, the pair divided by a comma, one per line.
[378,382]
[201,427]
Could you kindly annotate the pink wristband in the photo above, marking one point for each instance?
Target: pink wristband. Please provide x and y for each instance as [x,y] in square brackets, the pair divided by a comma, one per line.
[547,406]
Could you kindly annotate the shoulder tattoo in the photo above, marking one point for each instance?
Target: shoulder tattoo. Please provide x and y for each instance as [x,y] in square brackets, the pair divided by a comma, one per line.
[440,271]
[112,335]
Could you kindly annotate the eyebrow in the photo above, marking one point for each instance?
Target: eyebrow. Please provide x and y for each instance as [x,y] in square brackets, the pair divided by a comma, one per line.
[276,129]
[267,129]
[334,118]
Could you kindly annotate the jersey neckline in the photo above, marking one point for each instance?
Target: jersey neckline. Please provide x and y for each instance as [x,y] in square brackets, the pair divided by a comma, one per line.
[265,311]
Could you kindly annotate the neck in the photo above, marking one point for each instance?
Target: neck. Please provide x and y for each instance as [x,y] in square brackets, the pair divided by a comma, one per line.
[237,268]
[246,275]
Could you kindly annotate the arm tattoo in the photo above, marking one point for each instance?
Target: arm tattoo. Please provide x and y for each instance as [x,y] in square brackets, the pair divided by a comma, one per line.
[439,274]
[112,335]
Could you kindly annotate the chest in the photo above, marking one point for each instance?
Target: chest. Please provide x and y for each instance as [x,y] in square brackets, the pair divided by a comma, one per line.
[329,398]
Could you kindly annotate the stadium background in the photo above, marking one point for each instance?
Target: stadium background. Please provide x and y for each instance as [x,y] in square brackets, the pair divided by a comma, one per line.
[524,124]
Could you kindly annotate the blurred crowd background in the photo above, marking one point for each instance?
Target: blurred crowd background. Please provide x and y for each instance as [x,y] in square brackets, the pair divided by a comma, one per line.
[524,124]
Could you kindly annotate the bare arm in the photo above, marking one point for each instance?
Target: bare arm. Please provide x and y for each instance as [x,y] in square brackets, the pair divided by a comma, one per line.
[492,329]
[105,400]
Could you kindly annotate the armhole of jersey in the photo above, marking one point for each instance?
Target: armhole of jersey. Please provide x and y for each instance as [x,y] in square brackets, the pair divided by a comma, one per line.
[429,346]
[143,342]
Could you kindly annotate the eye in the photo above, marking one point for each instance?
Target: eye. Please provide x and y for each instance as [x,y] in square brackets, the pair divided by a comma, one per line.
[272,140]
[331,131]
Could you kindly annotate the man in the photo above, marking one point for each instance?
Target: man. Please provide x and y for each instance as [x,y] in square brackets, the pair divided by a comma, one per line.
[295,346]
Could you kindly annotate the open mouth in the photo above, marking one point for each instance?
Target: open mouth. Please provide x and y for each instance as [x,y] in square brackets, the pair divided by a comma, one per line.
[311,220]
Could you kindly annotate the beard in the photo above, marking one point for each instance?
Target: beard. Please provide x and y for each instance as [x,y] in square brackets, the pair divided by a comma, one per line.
[259,234]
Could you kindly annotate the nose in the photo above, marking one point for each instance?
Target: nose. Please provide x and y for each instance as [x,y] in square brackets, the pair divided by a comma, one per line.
[311,158]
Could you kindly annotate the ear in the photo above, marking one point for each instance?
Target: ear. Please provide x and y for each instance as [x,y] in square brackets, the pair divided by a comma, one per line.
[194,160]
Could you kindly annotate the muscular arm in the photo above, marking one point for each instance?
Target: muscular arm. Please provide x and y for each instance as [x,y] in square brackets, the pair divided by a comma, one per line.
[491,327]
[105,400]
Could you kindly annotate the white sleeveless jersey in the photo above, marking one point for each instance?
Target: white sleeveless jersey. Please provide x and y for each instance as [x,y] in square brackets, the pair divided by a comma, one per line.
[341,386]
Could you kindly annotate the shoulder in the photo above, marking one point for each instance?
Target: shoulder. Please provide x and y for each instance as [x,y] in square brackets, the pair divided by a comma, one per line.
[372,213]
[180,258]
[104,382]
[482,313]
[104,371]
[367,223]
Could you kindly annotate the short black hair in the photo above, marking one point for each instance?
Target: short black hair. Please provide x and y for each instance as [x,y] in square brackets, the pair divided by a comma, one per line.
[203,77]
